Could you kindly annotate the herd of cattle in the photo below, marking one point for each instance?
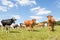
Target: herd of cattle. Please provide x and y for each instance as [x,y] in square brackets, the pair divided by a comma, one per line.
[8,23]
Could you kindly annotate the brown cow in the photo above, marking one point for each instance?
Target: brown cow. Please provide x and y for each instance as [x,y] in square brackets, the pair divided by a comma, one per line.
[29,23]
[41,24]
[51,21]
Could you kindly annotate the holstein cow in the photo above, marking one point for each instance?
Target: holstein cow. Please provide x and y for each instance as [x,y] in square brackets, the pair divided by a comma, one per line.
[51,21]
[21,24]
[29,23]
[41,24]
[7,22]
[15,25]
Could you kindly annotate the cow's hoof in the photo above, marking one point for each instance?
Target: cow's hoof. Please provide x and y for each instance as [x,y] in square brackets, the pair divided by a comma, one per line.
[7,31]
[53,30]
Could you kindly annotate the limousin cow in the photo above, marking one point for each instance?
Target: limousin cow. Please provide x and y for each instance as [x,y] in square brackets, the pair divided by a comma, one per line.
[51,21]
[30,23]
[41,24]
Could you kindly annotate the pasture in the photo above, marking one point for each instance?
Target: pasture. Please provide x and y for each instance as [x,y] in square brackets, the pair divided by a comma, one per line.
[37,34]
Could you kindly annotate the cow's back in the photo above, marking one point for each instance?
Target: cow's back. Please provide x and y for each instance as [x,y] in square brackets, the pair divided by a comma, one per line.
[40,24]
[28,22]
[6,22]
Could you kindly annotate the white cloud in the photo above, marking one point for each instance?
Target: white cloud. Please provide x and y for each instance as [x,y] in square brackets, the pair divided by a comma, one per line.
[11,4]
[2,8]
[40,11]
[16,16]
[26,2]
[16,5]
[7,3]
[58,19]
[36,17]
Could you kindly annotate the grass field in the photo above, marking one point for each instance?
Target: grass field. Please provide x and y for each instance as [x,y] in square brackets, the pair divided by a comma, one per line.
[37,34]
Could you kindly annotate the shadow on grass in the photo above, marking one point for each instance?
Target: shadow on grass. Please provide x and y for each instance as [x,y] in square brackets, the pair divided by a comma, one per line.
[14,32]
[53,30]
[34,30]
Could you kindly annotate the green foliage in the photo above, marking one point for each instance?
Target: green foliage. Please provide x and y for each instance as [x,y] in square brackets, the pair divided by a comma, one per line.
[57,23]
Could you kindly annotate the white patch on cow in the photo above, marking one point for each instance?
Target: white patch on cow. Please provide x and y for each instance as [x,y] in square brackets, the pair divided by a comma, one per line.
[18,24]
[12,25]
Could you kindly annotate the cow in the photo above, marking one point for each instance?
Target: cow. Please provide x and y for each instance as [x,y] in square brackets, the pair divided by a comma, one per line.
[30,23]
[14,26]
[51,21]
[21,24]
[17,26]
[7,22]
[41,24]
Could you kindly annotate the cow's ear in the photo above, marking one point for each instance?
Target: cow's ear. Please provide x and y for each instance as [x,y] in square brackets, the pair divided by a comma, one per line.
[47,16]
[11,19]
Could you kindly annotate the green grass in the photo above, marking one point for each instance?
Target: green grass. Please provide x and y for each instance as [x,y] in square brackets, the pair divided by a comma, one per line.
[37,34]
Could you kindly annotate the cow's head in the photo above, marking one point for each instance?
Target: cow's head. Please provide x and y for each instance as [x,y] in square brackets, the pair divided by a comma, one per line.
[34,21]
[13,19]
[49,17]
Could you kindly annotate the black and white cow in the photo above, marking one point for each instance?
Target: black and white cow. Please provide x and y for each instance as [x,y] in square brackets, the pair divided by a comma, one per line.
[7,22]
[18,26]
[14,25]
[21,24]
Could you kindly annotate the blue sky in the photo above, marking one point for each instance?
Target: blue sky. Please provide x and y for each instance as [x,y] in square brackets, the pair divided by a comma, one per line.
[29,9]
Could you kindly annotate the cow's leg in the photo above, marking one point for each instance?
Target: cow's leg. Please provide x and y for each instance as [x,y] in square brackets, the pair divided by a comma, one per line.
[7,28]
[2,28]
[52,27]
[49,26]
[41,26]
[25,27]
[17,27]
[31,28]
[12,27]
